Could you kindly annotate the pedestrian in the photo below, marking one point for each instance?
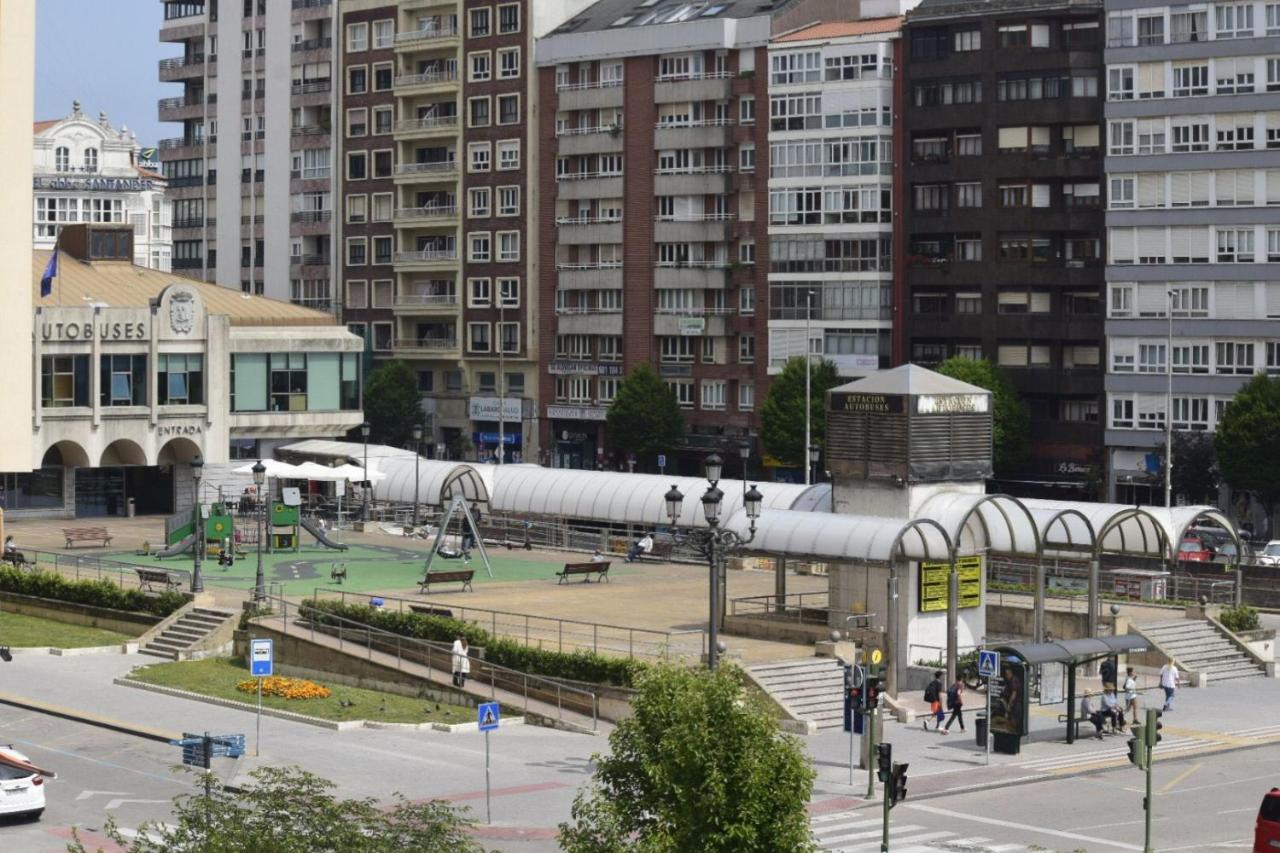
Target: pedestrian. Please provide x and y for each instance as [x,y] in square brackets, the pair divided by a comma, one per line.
[955,704]
[461,663]
[1170,681]
[1111,708]
[643,545]
[1130,694]
[933,695]
[597,557]
[1087,713]
[1108,672]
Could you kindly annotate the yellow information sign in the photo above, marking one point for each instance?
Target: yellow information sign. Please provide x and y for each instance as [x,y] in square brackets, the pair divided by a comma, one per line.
[876,656]
[934,580]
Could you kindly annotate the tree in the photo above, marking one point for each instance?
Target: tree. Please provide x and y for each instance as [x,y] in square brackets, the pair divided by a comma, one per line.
[392,404]
[644,417]
[286,809]
[782,418]
[1195,467]
[699,765]
[1248,441]
[1011,422]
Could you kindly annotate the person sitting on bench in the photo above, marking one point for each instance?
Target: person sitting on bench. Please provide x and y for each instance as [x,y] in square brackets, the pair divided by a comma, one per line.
[1087,713]
[11,552]
[1111,708]
[227,555]
[643,545]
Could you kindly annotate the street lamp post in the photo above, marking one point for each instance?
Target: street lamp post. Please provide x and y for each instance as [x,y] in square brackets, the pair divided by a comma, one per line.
[744,453]
[197,582]
[417,455]
[364,432]
[719,541]
[259,580]
[1168,406]
[815,453]
[808,361]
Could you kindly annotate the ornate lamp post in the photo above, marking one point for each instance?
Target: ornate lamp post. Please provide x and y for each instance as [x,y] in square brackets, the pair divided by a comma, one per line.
[417,455]
[197,470]
[259,581]
[719,541]
[815,452]
[364,509]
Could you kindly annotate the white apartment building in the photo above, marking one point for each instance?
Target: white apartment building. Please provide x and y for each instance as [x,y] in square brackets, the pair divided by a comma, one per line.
[1193,221]
[85,170]
[830,194]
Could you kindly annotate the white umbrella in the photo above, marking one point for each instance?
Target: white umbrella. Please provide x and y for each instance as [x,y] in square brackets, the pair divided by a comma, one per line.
[356,474]
[275,468]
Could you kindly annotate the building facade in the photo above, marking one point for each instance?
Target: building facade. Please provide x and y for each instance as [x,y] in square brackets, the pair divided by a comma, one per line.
[1193,221]
[831,105]
[1003,232]
[87,171]
[256,111]
[139,372]
[653,162]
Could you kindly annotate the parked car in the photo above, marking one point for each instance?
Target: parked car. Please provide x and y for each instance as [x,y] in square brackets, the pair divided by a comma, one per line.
[1194,550]
[21,785]
[1266,835]
[1270,554]
[1226,553]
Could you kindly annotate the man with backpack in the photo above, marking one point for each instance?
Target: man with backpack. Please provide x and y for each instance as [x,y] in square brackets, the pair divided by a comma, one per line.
[955,704]
[933,695]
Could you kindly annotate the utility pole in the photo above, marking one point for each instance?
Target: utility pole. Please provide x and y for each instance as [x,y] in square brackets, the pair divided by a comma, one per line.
[1168,415]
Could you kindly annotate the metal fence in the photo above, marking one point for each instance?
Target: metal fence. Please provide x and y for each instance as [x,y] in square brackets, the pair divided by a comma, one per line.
[1067,584]
[802,608]
[93,567]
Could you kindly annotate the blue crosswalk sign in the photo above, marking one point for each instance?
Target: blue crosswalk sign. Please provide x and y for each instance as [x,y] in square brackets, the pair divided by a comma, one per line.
[988,663]
[488,716]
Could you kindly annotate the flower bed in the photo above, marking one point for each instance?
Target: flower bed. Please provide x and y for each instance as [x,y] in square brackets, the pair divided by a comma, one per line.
[285,688]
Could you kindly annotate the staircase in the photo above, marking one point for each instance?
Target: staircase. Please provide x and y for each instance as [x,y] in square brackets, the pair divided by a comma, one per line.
[187,632]
[1197,646]
[810,689]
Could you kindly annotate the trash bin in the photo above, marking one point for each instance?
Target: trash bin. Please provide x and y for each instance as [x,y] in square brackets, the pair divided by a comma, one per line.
[980,728]
[131,508]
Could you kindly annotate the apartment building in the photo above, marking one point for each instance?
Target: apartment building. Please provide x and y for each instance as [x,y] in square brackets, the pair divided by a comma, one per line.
[1003,230]
[436,189]
[271,168]
[831,104]
[653,161]
[1193,221]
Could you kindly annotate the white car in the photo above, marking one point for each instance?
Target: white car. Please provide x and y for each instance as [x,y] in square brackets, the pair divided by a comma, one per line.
[1270,555]
[21,785]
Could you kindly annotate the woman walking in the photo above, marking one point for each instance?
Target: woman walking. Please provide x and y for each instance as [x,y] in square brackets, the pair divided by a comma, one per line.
[461,663]
[955,704]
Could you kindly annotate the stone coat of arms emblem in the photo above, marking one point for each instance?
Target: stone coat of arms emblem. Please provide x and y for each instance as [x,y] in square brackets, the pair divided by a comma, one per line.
[182,312]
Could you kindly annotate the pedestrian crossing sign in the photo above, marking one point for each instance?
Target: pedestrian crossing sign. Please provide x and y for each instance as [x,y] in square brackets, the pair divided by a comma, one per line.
[488,716]
[988,663]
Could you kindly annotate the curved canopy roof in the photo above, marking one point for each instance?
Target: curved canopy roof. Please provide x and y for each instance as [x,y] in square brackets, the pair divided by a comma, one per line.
[858,538]
[978,522]
[1123,528]
[1076,651]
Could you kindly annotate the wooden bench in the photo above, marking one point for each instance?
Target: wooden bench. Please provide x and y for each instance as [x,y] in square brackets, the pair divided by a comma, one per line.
[148,578]
[427,610]
[584,569]
[18,559]
[462,576]
[87,534]
[338,572]
[661,552]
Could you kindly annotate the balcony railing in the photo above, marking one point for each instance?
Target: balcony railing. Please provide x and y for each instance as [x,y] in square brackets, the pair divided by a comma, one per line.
[310,260]
[589,265]
[438,167]
[585,176]
[696,265]
[701,122]
[177,62]
[425,343]
[427,77]
[588,220]
[184,101]
[426,123]
[588,131]
[697,170]
[312,173]
[319,303]
[694,75]
[426,33]
[312,87]
[697,312]
[438,211]
[310,4]
[701,217]
[178,142]
[427,256]
[311,216]
[426,299]
[313,44]
[582,87]
[582,310]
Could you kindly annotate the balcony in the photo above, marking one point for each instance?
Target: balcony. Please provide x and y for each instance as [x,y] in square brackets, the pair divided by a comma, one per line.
[310,4]
[579,231]
[590,96]
[669,321]
[588,322]
[414,128]
[427,347]
[704,180]
[585,185]
[309,260]
[310,129]
[182,107]
[589,140]
[707,133]
[425,80]
[311,173]
[707,86]
[605,275]
[709,228]
[435,171]
[408,216]
[695,274]
[427,303]
[311,216]
[194,222]
[427,257]
[312,87]
[412,38]
[304,45]
[181,68]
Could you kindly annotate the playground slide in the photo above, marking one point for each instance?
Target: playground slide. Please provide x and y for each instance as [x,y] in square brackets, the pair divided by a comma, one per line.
[321,537]
[182,546]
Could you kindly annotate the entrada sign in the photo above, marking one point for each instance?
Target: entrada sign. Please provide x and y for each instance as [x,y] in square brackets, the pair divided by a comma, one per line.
[101,185]
[178,429]
[85,331]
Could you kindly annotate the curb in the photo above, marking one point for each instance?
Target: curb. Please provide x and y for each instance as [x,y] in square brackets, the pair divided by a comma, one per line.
[78,651]
[90,719]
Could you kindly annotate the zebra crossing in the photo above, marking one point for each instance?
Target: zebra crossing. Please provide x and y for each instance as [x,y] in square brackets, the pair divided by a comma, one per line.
[1172,744]
[1260,733]
[860,831]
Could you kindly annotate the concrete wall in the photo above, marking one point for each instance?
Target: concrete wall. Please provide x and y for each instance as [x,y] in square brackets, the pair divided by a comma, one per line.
[120,621]
[17,76]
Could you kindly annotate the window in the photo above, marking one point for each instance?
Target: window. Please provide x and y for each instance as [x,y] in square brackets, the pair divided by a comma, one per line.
[1013,35]
[357,294]
[180,379]
[508,246]
[1188,26]
[479,292]
[1234,358]
[478,337]
[382,77]
[62,158]
[91,159]
[509,292]
[1193,135]
[1190,358]
[64,380]
[382,164]
[382,250]
[478,21]
[478,156]
[357,165]
[1085,411]
[1190,79]
[1233,20]
[1233,76]
[357,122]
[382,207]
[122,380]
[357,80]
[1122,413]
[357,37]
[1120,83]
[1234,133]
[509,18]
[508,63]
[969,195]
[966,40]
[1120,137]
[478,111]
[357,252]
[384,34]
[508,155]
[509,201]
[478,202]
[478,247]
[508,109]
[479,66]
[1235,245]
[968,145]
[713,394]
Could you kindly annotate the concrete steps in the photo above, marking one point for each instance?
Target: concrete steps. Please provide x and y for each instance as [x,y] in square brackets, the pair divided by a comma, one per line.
[190,629]
[810,689]
[1197,646]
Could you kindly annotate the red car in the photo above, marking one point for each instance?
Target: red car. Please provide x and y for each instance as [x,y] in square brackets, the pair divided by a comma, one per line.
[1266,837]
[1194,550]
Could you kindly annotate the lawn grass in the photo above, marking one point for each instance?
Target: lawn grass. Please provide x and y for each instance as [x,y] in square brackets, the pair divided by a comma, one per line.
[217,677]
[20,631]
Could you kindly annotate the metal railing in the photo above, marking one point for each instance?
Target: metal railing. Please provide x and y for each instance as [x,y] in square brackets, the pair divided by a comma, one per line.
[438,211]
[437,32]
[435,657]
[448,76]
[440,166]
[93,567]
[541,631]
[802,608]
[1067,581]
[426,123]
[427,256]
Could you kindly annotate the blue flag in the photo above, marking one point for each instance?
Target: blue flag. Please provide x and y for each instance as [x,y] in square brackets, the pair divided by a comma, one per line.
[50,272]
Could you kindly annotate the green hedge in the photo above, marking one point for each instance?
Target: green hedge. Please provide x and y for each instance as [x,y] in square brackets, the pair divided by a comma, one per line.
[96,593]
[580,665]
[1237,619]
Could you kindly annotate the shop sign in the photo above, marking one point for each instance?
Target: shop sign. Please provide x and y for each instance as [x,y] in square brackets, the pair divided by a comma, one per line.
[572,368]
[490,439]
[876,404]
[947,404]
[675,370]
[170,430]
[691,326]
[105,185]
[86,331]
[577,413]
[486,408]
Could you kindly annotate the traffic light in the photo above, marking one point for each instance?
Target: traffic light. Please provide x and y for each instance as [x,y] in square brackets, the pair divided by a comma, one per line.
[884,761]
[1153,727]
[898,790]
[1138,754]
[873,692]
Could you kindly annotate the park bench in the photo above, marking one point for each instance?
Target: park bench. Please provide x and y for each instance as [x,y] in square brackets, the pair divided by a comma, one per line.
[338,572]
[428,610]
[661,552]
[1108,728]
[87,534]
[18,559]
[462,576]
[584,569]
[148,578]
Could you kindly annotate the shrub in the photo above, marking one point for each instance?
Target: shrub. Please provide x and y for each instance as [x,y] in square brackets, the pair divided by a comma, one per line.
[581,665]
[95,593]
[1237,619]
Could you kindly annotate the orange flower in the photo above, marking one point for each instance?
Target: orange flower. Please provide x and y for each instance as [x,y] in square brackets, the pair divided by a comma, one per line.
[285,688]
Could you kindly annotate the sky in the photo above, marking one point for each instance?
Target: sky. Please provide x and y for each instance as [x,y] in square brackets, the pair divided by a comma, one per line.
[104,53]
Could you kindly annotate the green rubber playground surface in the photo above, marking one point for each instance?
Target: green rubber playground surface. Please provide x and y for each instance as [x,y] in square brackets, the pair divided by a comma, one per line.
[369,568]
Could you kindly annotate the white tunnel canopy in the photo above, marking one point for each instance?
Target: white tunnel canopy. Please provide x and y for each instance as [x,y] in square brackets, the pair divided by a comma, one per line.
[856,538]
